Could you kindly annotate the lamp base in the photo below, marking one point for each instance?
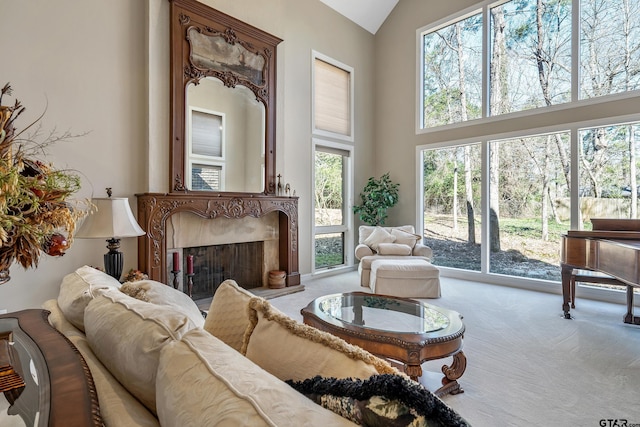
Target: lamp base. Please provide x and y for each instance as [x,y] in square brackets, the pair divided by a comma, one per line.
[114,259]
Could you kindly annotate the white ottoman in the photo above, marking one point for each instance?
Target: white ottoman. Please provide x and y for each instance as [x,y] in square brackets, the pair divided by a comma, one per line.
[411,278]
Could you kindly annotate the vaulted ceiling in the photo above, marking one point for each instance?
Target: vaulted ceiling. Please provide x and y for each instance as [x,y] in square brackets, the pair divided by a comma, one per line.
[369,14]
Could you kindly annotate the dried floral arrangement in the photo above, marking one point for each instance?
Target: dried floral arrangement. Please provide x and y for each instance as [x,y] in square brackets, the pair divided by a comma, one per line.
[35,215]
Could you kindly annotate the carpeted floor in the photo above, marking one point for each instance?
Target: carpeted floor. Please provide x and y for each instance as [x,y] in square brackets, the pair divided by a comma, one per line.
[526,365]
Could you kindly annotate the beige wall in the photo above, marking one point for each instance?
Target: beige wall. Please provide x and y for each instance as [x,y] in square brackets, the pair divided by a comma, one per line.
[102,67]
[82,62]
[396,138]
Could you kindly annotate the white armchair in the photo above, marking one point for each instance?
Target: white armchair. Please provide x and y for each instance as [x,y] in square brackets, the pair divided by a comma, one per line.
[387,243]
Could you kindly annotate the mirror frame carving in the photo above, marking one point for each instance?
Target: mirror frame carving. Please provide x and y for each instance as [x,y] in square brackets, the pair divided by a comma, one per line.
[189,14]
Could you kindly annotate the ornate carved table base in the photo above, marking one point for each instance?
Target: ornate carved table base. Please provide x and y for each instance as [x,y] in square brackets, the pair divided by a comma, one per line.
[405,350]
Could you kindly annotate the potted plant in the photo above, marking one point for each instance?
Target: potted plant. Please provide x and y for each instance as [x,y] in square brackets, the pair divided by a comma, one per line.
[377,196]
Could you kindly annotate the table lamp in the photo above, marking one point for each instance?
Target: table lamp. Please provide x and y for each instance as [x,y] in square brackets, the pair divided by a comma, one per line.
[112,220]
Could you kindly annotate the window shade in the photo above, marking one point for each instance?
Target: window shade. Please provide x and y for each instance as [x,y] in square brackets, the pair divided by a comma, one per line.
[332,98]
[206,134]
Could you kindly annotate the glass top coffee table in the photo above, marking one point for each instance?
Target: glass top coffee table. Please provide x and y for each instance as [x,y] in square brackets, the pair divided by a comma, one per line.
[403,330]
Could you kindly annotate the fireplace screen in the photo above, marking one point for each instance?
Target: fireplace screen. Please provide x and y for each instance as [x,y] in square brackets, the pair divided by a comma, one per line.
[212,265]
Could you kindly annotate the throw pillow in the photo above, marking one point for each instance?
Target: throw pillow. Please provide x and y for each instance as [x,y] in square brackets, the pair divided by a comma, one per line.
[394,249]
[405,238]
[127,335]
[379,235]
[117,406]
[203,382]
[79,288]
[272,335]
[381,400]
[161,294]
[228,318]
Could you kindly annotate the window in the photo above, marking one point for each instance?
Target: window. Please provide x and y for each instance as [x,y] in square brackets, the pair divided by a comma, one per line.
[452,205]
[610,47]
[332,98]
[206,150]
[331,223]
[452,56]
[497,205]
[528,209]
[529,49]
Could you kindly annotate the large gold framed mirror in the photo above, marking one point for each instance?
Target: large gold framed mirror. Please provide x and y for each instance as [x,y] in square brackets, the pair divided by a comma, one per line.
[223,78]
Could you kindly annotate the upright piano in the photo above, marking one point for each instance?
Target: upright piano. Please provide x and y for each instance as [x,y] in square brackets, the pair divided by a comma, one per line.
[612,248]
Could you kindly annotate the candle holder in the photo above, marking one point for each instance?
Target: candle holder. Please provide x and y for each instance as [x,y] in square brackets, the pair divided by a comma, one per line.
[190,284]
[175,278]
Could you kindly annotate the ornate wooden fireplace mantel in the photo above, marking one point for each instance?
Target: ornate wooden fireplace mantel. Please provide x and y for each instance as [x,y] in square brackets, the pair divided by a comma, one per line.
[155,208]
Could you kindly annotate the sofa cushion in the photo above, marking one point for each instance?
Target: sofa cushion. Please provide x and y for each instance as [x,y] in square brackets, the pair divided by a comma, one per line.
[57,320]
[394,249]
[379,235]
[365,263]
[228,318]
[117,406]
[404,237]
[79,288]
[203,382]
[161,294]
[127,335]
[272,337]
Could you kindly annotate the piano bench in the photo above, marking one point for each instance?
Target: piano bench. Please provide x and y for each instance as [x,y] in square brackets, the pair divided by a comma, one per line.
[588,276]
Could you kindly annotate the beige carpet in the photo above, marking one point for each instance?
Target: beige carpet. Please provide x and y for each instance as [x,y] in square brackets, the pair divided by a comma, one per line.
[528,366]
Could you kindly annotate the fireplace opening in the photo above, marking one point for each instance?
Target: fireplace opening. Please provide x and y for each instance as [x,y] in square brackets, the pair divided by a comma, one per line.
[212,265]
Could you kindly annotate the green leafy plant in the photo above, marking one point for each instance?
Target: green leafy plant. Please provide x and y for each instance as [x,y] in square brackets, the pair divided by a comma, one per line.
[377,197]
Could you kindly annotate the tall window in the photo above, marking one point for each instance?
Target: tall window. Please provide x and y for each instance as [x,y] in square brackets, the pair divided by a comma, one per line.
[528,46]
[528,212]
[332,127]
[331,216]
[452,205]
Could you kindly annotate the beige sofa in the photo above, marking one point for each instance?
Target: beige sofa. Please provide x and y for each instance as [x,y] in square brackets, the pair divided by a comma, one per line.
[156,361]
[394,262]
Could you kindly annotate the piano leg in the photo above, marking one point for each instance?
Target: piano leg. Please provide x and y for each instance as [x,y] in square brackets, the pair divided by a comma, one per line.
[566,289]
[629,317]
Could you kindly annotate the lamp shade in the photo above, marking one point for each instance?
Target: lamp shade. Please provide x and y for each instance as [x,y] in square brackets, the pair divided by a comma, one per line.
[113,219]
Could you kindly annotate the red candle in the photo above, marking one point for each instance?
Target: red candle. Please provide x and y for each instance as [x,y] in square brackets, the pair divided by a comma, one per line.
[189,264]
[176,261]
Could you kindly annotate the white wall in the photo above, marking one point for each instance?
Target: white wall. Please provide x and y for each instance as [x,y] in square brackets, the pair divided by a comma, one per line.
[102,67]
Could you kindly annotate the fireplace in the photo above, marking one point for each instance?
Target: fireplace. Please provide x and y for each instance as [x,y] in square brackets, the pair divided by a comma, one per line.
[182,222]
[244,249]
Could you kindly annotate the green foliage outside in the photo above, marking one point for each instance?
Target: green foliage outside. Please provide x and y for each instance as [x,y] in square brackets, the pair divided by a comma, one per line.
[328,260]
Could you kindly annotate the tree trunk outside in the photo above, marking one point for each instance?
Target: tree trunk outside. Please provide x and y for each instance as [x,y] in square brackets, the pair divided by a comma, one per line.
[497,106]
